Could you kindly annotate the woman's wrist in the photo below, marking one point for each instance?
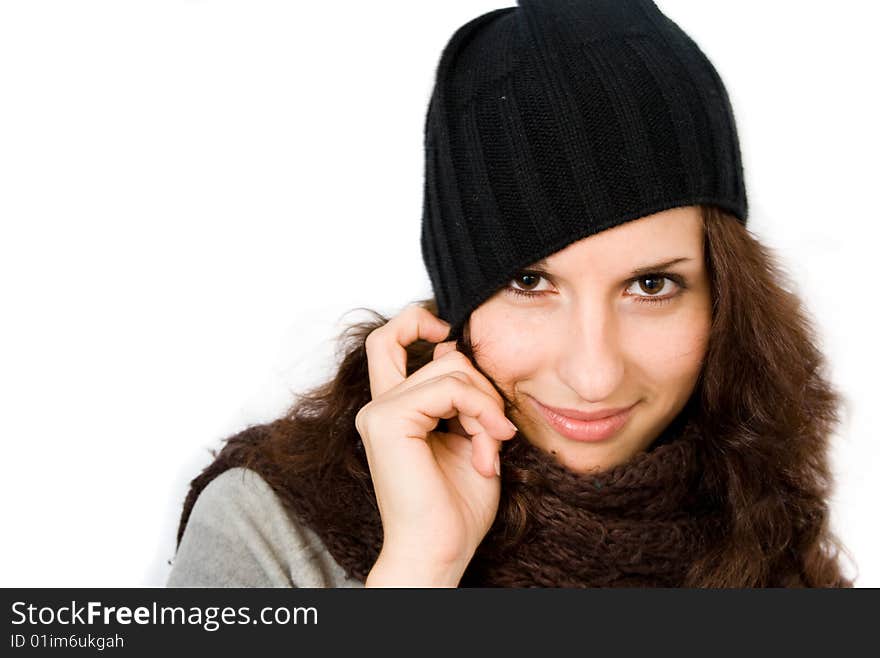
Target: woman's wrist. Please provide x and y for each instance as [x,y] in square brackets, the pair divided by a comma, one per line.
[399,570]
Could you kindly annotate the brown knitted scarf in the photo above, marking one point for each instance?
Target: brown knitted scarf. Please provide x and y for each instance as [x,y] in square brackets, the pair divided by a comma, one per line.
[639,524]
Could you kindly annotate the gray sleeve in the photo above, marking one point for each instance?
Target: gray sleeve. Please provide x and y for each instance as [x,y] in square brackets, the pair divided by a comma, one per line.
[240,535]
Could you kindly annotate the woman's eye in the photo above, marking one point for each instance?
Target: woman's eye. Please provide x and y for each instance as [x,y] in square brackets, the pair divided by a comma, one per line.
[652,285]
[658,288]
[524,284]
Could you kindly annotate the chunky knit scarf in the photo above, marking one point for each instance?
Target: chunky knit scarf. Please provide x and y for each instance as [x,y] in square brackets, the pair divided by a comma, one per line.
[639,524]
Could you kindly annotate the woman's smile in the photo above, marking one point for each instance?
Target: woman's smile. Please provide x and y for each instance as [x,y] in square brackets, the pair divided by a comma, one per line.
[576,429]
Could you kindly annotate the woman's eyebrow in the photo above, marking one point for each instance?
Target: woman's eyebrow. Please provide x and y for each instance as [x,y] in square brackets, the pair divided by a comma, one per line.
[640,271]
[649,269]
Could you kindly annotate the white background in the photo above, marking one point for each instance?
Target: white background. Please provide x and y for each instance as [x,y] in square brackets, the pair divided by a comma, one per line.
[193,195]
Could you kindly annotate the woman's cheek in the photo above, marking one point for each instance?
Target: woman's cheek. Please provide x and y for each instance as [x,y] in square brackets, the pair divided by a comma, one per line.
[510,349]
[671,349]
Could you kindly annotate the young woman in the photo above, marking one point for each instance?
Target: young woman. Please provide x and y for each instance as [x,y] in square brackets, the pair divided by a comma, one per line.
[594,283]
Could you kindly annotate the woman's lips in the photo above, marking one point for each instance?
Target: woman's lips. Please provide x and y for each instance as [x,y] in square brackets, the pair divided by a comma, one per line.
[584,430]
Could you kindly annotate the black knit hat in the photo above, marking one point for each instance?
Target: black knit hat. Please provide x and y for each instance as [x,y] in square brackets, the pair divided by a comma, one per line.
[556,119]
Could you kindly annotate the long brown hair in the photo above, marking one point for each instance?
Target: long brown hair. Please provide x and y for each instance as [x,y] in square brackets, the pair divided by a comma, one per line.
[763,402]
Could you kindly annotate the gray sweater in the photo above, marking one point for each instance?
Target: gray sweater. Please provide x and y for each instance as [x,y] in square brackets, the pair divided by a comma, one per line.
[239,535]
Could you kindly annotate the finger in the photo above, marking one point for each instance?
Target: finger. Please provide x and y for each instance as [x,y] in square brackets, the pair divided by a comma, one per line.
[471,425]
[483,446]
[485,450]
[454,361]
[453,394]
[447,359]
[457,364]
[386,346]
[443,348]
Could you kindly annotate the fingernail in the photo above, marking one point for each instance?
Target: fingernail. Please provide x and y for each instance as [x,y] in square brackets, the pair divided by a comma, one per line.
[497,466]
[512,426]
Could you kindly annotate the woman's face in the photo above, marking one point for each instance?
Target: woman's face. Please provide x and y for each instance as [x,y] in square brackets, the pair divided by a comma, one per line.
[591,338]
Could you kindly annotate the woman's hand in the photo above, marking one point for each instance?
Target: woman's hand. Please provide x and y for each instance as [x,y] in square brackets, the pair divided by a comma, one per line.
[437,492]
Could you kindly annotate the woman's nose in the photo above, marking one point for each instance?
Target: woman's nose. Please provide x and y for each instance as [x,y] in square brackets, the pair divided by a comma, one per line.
[590,359]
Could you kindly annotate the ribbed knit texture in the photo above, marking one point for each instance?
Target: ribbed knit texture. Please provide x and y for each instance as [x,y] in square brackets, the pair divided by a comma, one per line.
[557,119]
[639,524]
